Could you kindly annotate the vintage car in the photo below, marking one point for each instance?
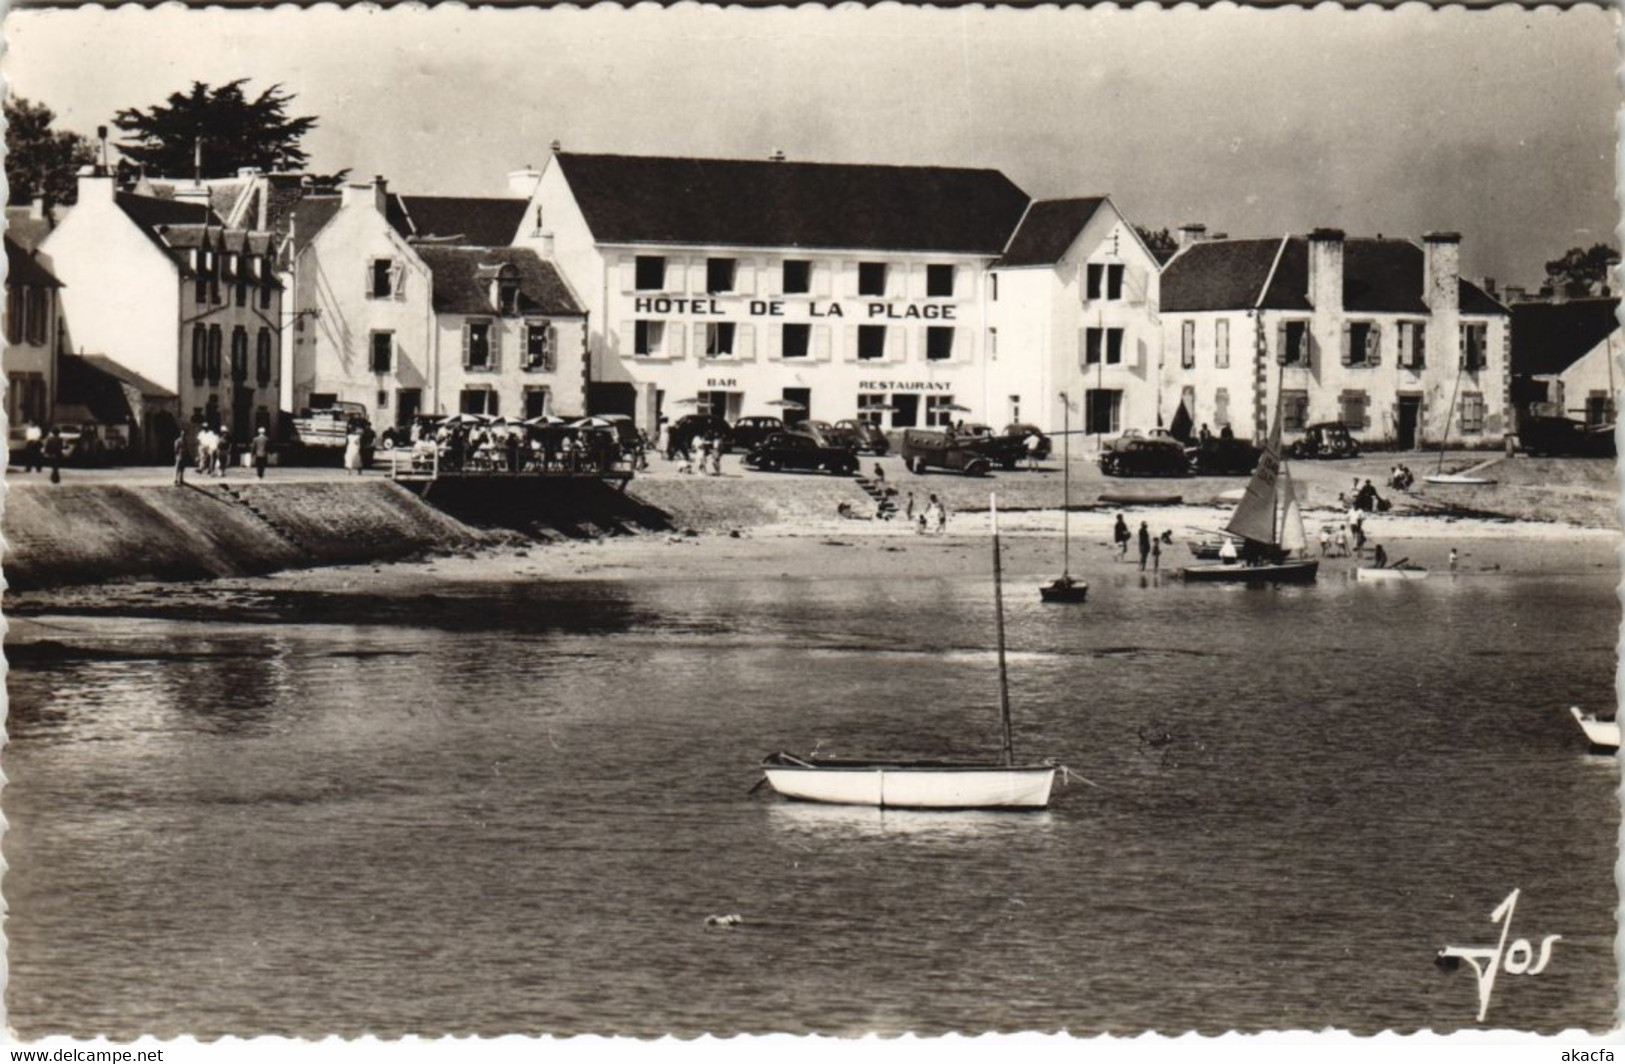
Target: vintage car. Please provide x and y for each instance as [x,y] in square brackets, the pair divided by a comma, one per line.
[1328,439]
[795,450]
[963,451]
[749,432]
[860,436]
[92,443]
[1003,450]
[1565,436]
[1222,457]
[1139,454]
[1021,430]
[691,427]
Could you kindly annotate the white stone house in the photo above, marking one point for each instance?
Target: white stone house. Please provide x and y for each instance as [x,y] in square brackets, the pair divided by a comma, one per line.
[1383,335]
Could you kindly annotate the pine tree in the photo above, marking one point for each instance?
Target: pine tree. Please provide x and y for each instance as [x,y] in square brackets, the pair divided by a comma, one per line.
[221,128]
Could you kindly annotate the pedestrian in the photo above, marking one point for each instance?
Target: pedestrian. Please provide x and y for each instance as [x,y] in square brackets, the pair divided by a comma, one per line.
[880,475]
[1452,559]
[33,438]
[513,451]
[261,448]
[1358,528]
[181,458]
[938,513]
[53,454]
[1342,541]
[703,445]
[226,449]
[910,510]
[1379,557]
[717,447]
[1145,545]
[1156,554]
[352,452]
[1204,437]
[1034,443]
[1121,536]
[1325,540]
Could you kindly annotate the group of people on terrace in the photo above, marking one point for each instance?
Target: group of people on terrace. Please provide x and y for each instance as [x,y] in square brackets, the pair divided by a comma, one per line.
[466,444]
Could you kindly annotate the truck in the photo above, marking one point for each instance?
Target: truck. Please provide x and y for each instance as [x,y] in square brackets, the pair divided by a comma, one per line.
[963,452]
[324,432]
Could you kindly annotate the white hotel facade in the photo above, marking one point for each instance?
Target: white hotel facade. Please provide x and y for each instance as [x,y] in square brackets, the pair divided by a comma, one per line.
[739,287]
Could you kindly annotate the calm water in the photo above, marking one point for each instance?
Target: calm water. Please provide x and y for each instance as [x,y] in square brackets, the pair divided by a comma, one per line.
[519,818]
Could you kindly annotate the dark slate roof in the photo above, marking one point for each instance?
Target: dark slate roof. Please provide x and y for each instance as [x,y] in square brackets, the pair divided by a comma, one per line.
[309,216]
[1551,337]
[1379,276]
[748,203]
[466,220]
[460,288]
[125,375]
[24,270]
[1218,275]
[1047,230]
[28,231]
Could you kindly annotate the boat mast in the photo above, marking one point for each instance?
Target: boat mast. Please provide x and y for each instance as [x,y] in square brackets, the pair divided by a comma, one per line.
[1445,437]
[1066,487]
[998,607]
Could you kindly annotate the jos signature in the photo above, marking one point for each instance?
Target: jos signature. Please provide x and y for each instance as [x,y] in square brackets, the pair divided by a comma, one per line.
[1517,959]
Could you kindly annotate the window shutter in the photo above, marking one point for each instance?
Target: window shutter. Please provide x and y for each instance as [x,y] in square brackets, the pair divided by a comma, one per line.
[468,341]
[1373,351]
[1134,284]
[1419,352]
[896,343]
[696,275]
[1310,346]
[1461,341]
[849,278]
[745,277]
[820,343]
[963,281]
[849,342]
[916,279]
[702,347]
[397,280]
[821,278]
[745,342]
[1348,343]
[366,284]
[675,335]
[1280,343]
[629,274]
[963,345]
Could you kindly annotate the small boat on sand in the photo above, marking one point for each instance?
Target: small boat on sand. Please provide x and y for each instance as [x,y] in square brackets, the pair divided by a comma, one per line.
[1459,479]
[1064,588]
[1119,498]
[1603,735]
[1400,570]
[924,784]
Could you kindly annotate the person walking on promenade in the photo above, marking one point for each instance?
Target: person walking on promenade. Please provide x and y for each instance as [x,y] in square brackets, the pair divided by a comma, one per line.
[717,447]
[53,454]
[181,458]
[352,453]
[262,452]
[1120,536]
[227,449]
[1453,559]
[1156,554]
[1145,545]
[33,437]
[1033,443]
[909,513]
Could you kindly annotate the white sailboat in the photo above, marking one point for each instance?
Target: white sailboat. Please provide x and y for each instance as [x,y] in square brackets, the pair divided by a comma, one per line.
[1064,588]
[1270,524]
[917,784]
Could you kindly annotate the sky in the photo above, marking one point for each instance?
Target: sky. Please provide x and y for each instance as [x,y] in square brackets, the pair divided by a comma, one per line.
[1498,124]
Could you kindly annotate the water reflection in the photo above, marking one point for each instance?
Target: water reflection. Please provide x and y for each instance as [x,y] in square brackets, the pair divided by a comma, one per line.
[839,823]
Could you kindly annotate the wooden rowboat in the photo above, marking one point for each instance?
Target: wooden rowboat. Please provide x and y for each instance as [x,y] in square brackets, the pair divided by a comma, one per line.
[1117,498]
[1391,572]
[1603,735]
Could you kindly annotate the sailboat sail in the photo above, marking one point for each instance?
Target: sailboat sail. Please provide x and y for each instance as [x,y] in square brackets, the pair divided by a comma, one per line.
[1292,534]
[1255,516]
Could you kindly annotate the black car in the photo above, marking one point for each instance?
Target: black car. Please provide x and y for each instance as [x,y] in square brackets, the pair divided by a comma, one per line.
[1222,457]
[793,450]
[1328,439]
[1135,455]
[748,432]
[1565,436]
[1021,430]
[691,427]
[860,436]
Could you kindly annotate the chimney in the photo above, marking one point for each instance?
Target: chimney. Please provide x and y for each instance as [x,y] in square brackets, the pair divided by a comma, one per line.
[1326,270]
[1516,293]
[95,185]
[1441,271]
[356,192]
[1191,233]
[36,208]
[1488,285]
[194,194]
[522,183]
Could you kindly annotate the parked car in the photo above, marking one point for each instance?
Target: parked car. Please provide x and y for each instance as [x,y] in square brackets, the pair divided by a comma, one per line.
[862,436]
[1002,450]
[795,450]
[1138,454]
[627,437]
[822,431]
[1565,436]
[691,427]
[1328,439]
[963,452]
[751,432]
[92,443]
[1021,430]
[1221,457]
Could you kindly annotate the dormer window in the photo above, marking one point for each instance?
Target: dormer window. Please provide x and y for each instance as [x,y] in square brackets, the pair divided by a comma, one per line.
[508,297]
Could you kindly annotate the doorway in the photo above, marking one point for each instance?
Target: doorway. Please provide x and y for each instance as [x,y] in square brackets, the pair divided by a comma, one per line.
[1410,415]
[242,413]
[905,411]
[408,401]
[802,396]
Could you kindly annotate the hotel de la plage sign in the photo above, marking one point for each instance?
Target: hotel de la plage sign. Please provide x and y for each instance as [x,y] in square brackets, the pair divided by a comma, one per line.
[778,308]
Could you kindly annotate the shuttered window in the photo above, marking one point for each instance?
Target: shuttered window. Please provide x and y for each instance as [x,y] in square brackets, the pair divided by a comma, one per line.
[1472,412]
[1187,345]
[200,353]
[939,343]
[215,342]
[871,278]
[383,352]
[479,346]
[797,277]
[239,354]
[939,281]
[650,273]
[539,346]
[263,357]
[871,342]
[797,340]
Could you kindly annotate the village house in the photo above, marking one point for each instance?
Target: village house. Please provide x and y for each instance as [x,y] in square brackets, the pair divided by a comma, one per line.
[32,321]
[1072,308]
[1383,335]
[748,287]
[185,304]
[414,305]
[1565,359]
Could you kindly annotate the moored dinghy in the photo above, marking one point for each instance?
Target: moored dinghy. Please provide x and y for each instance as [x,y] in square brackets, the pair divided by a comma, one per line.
[1603,735]
[923,784]
[1064,588]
